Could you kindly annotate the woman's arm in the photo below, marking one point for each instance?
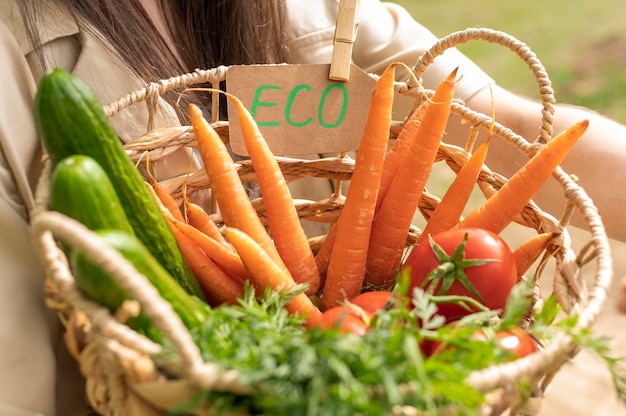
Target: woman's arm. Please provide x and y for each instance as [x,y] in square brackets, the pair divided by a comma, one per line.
[29,332]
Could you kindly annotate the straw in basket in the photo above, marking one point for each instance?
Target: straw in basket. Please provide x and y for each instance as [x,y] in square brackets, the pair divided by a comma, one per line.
[117,363]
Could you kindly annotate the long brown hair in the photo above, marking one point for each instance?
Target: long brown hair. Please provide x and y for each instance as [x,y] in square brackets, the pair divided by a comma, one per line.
[207,33]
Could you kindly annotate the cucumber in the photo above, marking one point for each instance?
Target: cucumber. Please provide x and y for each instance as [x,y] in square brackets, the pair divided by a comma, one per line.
[70,120]
[81,189]
[97,285]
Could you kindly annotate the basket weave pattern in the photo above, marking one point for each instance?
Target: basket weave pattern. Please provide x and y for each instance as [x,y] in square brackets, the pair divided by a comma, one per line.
[116,362]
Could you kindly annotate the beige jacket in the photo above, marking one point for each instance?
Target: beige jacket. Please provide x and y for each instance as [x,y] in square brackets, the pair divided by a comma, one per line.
[35,373]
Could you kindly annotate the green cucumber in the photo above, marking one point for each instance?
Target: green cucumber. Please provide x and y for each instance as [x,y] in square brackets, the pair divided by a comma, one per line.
[70,120]
[97,285]
[81,189]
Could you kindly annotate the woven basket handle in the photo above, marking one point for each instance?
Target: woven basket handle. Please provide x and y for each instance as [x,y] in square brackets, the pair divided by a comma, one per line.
[48,226]
[521,49]
[153,91]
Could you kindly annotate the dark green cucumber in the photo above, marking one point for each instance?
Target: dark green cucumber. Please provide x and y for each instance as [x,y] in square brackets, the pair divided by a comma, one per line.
[96,284]
[70,120]
[81,189]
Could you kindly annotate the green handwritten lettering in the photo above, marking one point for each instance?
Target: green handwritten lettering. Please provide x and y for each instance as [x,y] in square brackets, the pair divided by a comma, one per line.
[256,103]
[289,105]
[342,112]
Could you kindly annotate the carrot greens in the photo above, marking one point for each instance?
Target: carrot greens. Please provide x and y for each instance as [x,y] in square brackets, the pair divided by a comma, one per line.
[293,370]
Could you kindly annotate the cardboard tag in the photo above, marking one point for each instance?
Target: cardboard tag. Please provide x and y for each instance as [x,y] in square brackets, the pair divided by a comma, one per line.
[298,109]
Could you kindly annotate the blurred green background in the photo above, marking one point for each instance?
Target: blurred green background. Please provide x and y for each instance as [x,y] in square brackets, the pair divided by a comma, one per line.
[582,44]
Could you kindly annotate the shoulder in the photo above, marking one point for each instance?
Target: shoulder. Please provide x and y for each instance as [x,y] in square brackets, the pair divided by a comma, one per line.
[311,30]
[386,33]
[52,22]
[384,30]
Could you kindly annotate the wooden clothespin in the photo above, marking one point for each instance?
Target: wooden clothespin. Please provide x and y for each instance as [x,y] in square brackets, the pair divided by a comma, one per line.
[345,34]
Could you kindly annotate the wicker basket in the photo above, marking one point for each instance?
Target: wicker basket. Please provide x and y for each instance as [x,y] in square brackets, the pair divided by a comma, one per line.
[121,377]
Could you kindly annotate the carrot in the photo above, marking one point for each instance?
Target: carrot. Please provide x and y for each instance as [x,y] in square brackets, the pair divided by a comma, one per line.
[322,258]
[284,224]
[501,208]
[228,190]
[529,251]
[216,284]
[399,150]
[265,273]
[168,201]
[220,253]
[167,213]
[164,197]
[200,219]
[395,215]
[236,271]
[344,278]
[453,202]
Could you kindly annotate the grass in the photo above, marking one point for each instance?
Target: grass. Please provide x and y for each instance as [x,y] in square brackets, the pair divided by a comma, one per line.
[582,46]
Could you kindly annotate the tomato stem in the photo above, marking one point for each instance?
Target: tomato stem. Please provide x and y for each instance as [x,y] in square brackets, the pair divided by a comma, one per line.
[452,269]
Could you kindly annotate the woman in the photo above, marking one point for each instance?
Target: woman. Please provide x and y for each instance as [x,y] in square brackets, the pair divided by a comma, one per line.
[117,46]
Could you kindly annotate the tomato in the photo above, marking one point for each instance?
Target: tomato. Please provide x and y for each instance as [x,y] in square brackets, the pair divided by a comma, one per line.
[477,263]
[344,318]
[372,301]
[517,341]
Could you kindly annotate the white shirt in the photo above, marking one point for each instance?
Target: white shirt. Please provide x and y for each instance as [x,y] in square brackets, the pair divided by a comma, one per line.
[386,33]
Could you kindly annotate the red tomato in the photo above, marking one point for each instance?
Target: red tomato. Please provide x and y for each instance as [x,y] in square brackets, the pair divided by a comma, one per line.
[516,340]
[373,301]
[519,342]
[493,280]
[344,318]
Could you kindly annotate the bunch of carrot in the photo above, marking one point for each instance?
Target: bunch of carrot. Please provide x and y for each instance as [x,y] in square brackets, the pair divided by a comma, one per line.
[365,246]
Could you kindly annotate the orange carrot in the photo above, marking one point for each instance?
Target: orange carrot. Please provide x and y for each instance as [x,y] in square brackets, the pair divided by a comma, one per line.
[167,213]
[168,201]
[501,208]
[228,190]
[453,202]
[528,252]
[399,150]
[265,273]
[164,197]
[322,258]
[200,219]
[346,268]
[284,224]
[220,253]
[215,283]
[394,217]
